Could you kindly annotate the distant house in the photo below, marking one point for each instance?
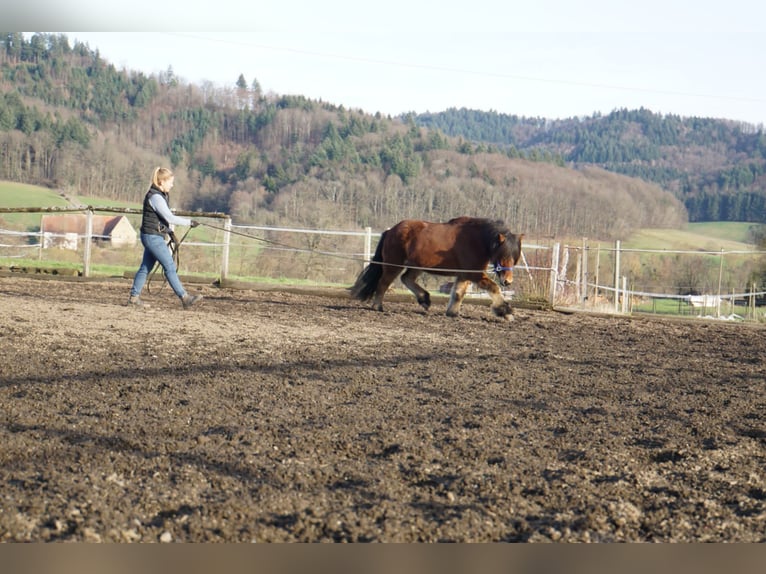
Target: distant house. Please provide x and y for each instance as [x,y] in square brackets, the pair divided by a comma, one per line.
[64,231]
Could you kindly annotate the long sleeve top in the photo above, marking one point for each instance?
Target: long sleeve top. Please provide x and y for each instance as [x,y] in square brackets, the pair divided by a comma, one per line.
[161,207]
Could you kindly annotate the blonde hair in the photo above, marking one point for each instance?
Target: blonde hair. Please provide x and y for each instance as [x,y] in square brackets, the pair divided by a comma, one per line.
[160,175]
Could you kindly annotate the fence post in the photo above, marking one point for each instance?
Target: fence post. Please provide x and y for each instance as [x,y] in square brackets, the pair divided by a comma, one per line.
[578,277]
[598,271]
[584,268]
[617,276]
[225,251]
[88,242]
[42,239]
[367,244]
[554,272]
[625,296]
[751,302]
[720,276]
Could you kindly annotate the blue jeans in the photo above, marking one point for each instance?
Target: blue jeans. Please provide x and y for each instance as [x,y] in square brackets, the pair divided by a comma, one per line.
[155,249]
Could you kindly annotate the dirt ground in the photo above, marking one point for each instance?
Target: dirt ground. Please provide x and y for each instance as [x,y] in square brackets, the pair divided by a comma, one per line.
[269,416]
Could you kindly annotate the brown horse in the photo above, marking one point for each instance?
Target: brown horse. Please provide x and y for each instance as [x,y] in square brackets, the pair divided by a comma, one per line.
[463,247]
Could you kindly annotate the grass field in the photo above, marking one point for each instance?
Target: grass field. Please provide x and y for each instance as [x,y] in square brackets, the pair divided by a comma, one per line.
[22,195]
[729,230]
[710,236]
[16,195]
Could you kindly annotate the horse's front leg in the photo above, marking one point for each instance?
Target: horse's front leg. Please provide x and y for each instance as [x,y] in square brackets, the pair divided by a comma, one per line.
[423,296]
[500,307]
[459,287]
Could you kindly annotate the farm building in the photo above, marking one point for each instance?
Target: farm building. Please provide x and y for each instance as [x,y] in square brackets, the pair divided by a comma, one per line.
[64,231]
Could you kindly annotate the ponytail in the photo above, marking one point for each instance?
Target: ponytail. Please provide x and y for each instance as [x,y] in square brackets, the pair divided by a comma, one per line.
[160,174]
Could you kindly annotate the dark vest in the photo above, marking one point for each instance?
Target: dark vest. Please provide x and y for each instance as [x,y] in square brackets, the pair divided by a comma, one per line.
[152,223]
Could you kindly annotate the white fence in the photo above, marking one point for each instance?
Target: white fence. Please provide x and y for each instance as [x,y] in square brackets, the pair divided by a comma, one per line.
[280,253]
[558,275]
[717,281]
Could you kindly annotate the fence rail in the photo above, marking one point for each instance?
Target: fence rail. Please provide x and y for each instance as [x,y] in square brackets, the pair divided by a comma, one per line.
[572,275]
[713,284]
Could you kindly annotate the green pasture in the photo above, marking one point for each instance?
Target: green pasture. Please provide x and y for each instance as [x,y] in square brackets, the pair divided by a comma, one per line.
[729,230]
[711,236]
[23,195]
[15,195]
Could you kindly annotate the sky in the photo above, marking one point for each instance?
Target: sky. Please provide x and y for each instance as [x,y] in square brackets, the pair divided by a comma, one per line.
[552,59]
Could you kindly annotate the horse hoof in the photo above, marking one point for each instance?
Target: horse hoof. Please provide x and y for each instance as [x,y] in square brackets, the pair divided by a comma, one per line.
[503,310]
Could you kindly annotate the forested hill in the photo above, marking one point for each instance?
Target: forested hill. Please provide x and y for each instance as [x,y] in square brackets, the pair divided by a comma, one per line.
[70,120]
[716,167]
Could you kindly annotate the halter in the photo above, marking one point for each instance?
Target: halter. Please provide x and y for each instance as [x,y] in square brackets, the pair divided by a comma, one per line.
[498,268]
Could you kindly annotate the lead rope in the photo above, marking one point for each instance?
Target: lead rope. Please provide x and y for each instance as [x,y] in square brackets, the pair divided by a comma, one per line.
[349,258]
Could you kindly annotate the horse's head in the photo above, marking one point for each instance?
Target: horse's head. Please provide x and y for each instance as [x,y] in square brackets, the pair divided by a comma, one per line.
[506,256]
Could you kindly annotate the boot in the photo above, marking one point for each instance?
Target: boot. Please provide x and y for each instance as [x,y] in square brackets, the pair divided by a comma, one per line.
[135,301]
[189,300]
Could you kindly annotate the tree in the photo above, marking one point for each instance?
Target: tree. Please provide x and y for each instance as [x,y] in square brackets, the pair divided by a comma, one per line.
[243,97]
[256,89]
[13,43]
[168,77]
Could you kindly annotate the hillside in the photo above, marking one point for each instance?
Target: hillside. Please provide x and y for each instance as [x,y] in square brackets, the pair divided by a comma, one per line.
[70,120]
[716,167]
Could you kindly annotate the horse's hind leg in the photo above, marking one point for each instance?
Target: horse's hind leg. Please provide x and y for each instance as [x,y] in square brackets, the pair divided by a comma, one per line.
[423,296]
[459,287]
[389,274]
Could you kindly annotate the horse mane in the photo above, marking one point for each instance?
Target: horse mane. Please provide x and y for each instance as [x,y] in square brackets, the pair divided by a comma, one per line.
[490,229]
[508,249]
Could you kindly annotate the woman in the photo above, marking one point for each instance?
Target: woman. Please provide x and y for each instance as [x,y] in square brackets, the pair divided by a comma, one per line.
[155,226]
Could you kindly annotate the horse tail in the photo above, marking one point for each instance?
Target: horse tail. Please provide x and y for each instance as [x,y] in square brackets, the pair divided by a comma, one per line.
[367,281]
